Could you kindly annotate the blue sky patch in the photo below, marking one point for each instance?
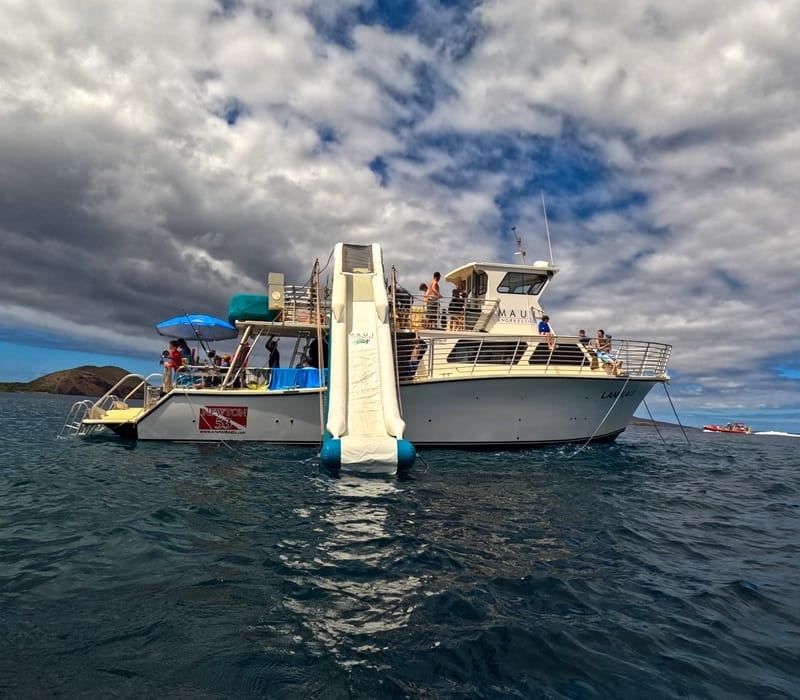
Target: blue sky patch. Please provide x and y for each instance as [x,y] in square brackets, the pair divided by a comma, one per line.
[231,110]
[731,282]
[396,15]
[787,372]
[326,134]
[381,169]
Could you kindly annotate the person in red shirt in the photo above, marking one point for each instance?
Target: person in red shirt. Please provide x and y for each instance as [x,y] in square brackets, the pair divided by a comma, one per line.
[175,355]
[172,360]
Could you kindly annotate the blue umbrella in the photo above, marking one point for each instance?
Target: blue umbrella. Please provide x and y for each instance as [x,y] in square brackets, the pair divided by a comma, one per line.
[197,326]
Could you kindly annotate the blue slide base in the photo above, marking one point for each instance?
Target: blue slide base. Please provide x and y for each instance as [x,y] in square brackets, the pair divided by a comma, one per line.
[406,454]
[331,454]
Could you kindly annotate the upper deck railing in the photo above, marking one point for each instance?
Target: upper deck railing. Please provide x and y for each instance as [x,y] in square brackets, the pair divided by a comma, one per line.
[300,306]
[459,348]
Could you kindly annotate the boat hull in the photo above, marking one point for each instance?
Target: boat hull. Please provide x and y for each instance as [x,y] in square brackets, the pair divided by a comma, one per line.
[479,413]
[519,411]
[291,418]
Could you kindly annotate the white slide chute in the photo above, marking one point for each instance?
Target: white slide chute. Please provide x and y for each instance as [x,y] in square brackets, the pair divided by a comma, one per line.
[364,428]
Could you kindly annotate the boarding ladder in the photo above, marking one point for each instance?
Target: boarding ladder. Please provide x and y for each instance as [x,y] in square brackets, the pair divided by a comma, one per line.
[75,424]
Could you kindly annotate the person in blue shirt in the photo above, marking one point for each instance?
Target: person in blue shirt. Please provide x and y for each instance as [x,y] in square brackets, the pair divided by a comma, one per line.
[546,329]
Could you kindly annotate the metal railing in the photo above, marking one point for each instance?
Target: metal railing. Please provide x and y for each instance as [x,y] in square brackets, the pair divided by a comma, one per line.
[472,316]
[145,391]
[300,305]
[494,355]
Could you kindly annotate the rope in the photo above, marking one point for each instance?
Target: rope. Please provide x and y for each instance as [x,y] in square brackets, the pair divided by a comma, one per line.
[194,411]
[680,457]
[652,420]
[675,413]
[420,458]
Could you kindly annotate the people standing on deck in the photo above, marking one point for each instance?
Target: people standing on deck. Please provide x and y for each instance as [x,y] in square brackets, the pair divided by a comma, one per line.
[175,355]
[172,364]
[583,338]
[546,329]
[402,313]
[166,370]
[455,310]
[409,354]
[416,355]
[424,289]
[431,301]
[315,359]
[186,352]
[433,288]
[274,354]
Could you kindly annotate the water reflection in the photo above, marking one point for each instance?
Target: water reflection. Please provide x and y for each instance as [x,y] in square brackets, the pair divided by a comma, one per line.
[353,587]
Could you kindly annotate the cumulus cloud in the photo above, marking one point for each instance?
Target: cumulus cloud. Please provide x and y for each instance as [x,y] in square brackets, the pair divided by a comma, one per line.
[164,155]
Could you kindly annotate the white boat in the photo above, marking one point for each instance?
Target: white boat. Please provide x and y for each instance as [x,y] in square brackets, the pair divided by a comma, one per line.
[481,378]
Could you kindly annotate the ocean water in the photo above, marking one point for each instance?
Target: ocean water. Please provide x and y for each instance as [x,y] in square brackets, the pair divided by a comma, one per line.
[642,569]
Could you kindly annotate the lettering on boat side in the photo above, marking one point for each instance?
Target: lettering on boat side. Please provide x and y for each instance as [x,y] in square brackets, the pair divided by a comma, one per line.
[222,419]
[513,316]
[614,394]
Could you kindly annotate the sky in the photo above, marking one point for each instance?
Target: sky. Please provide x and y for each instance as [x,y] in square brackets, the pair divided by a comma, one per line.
[159,157]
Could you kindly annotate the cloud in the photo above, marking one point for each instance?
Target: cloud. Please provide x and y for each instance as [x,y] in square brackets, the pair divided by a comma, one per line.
[159,156]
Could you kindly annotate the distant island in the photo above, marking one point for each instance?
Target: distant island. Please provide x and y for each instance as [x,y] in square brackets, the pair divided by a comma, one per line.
[646,422]
[96,381]
[81,381]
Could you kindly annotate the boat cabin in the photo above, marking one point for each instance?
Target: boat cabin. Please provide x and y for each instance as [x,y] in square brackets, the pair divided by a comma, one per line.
[503,298]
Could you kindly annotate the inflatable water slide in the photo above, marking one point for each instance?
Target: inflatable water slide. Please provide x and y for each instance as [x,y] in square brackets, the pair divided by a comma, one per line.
[363,425]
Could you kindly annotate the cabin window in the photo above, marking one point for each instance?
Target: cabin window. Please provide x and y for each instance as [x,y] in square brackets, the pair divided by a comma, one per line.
[571,354]
[477,284]
[522,283]
[490,352]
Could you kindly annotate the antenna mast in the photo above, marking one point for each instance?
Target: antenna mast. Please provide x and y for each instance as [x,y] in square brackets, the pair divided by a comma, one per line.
[519,251]
[547,228]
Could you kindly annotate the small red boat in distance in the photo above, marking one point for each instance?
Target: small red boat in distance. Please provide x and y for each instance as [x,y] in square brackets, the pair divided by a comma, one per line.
[729,428]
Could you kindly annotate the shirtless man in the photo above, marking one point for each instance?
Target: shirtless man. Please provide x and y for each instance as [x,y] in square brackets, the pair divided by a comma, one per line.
[602,346]
[601,342]
[431,299]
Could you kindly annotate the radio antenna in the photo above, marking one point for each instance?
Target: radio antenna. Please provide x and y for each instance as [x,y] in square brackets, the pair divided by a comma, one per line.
[547,228]
[519,251]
